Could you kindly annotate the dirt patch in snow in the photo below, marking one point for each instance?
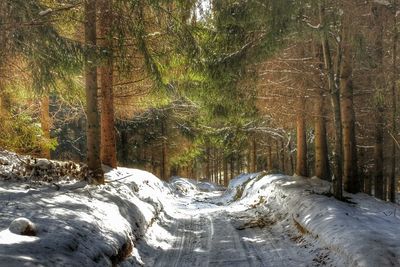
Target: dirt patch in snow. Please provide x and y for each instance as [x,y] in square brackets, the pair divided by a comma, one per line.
[256,223]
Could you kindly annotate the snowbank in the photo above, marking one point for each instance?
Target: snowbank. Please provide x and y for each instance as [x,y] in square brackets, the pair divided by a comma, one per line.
[365,232]
[190,187]
[237,186]
[79,224]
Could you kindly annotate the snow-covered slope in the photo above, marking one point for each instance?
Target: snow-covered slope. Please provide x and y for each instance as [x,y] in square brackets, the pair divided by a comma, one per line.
[365,231]
[66,222]
[78,224]
[48,218]
[190,187]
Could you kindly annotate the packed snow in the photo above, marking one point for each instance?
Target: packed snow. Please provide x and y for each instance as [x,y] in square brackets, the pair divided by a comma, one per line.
[135,219]
[363,231]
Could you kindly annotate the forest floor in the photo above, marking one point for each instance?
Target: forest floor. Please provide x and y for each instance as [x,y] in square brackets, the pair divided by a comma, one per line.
[135,219]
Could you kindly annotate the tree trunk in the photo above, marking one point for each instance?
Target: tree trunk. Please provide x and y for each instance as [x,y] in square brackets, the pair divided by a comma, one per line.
[80,126]
[350,170]
[254,158]
[321,149]
[1,91]
[164,151]
[269,157]
[45,122]
[220,166]
[301,163]
[321,143]
[277,155]
[291,156]
[211,165]
[377,71]
[207,170]
[215,165]
[368,185]
[361,169]
[378,158]
[335,103]
[124,146]
[108,138]
[225,167]
[392,184]
[92,112]
[249,160]
[3,54]
[238,164]
[282,159]
[232,167]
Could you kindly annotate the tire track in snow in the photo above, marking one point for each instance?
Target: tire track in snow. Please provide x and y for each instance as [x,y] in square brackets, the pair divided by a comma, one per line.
[211,238]
[167,255]
[190,240]
[182,238]
[227,248]
[186,245]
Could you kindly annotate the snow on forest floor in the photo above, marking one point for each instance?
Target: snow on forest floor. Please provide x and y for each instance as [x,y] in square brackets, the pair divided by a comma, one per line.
[135,219]
[362,232]
[76,224]
[275,220]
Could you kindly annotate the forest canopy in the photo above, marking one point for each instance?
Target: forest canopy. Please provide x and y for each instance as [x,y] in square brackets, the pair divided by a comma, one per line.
[206,89]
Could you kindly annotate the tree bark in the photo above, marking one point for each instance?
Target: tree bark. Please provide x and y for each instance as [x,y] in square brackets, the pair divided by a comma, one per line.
[164,151]
[254,158]
[291,156]
[207,170]
[3,55]
[378,158]
[392,185]
[80,126]
[269,157]
[238,164]
[301,162]
[225,167]
[92,112]
[277,162]
[282,159]
[350,170]
[153,161]
[232,167]
[335,103]
[124,146]
[213,166]
[377,70]
[321,143]
[108,138]
[45,122]
[1,92]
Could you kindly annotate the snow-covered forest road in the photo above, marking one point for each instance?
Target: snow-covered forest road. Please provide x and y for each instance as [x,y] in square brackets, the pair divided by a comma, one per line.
[205,231]
[135,219]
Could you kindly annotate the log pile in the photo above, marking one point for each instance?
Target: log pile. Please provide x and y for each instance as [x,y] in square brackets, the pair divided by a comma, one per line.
[49,169]
[28,168]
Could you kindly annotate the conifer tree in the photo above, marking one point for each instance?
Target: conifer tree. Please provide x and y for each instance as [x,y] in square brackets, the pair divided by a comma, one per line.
[108,137]
[92,112]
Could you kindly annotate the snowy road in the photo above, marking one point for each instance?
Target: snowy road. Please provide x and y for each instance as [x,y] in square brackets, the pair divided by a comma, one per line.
[205,234]
[259,220]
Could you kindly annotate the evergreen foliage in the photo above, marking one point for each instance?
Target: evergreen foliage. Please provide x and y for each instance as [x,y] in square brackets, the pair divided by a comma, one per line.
[209,92]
